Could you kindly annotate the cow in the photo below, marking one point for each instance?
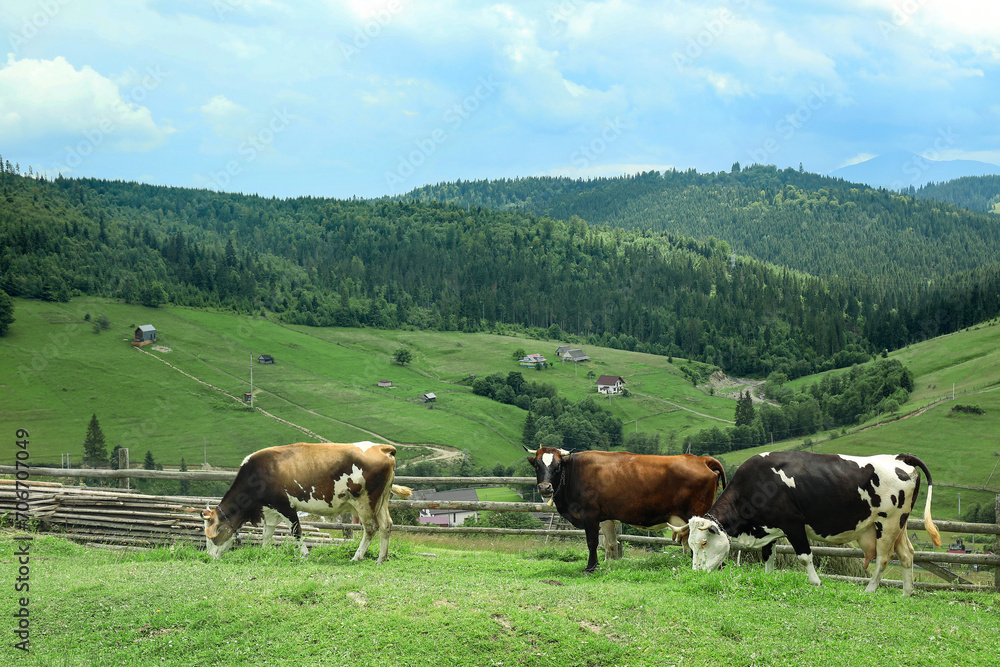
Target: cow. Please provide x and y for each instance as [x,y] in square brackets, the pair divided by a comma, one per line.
[830,497]
[642,490]
[274,484]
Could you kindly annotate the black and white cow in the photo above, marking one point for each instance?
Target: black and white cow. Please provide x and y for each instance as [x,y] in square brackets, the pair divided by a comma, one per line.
[829,497]
[327,478]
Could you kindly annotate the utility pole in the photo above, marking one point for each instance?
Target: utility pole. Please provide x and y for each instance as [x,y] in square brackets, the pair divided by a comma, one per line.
[251,380]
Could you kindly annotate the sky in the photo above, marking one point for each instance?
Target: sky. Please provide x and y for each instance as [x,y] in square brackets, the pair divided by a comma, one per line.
[373,97]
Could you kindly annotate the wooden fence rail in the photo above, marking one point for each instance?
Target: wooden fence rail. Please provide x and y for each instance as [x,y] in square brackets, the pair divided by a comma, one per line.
[126,517]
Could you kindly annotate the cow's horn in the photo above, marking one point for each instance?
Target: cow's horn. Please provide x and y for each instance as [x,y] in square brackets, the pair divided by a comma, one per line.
[530,451]
[675,528]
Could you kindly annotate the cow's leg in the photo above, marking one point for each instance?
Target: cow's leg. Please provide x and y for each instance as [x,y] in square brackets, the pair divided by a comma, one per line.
[884,547]
[881,560]
[384,520]
[904,549]
[767,553]
[799,541]
[368,523]
[271,521]
[292,519]
[611,551]
[593,532]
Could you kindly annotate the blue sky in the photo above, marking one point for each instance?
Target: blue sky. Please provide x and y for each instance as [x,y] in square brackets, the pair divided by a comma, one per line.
[373,97]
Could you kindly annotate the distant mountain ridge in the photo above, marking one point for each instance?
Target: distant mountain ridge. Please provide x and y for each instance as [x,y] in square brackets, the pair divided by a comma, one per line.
[900,170]
[816,224]
[976,193]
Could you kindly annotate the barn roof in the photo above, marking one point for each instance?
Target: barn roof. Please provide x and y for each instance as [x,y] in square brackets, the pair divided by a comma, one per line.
[147,327]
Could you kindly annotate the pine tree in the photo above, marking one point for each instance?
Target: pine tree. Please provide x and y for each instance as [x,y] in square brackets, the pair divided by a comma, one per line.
[745,412]
[149,463]
[6,312]
[113,459]
[95,452]
[528,435]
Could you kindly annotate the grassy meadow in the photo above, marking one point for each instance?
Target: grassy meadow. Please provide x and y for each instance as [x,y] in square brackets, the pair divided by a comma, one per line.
[324,379]
[60,372]
[471,602]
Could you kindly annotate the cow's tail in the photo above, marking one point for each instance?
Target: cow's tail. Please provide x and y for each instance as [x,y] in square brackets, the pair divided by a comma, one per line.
[402,491]
[929,526]
[716,465]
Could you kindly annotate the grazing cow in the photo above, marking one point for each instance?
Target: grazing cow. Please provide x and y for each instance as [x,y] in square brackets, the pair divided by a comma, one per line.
[829,497]
[642,490]
[321,478]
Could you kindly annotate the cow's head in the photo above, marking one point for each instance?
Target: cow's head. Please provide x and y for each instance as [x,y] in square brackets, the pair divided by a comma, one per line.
[709,543]
[548,463]
[219,531]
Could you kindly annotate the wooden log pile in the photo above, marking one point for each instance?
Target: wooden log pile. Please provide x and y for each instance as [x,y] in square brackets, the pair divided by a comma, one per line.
[39,503]
[87,514]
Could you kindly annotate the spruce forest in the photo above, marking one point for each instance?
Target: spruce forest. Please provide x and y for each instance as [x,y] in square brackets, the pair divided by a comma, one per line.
[811,273]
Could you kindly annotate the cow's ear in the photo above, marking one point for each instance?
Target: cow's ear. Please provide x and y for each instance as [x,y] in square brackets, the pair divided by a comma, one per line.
[530,459]
[713,529]
[206,514]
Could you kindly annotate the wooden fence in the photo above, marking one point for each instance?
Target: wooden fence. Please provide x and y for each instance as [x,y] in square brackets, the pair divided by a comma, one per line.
[125,517]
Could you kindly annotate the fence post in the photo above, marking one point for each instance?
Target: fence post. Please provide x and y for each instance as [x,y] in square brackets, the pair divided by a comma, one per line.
[123,464]
[996,547]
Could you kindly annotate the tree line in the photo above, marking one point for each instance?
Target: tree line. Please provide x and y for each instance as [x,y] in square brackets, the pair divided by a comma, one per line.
[836,401]
[433,265]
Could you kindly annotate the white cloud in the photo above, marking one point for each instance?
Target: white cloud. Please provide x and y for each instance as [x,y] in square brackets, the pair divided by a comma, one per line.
[857,159]
[50,98]
[220,110]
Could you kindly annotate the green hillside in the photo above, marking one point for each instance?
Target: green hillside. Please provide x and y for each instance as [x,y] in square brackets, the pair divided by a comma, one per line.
[820,225]
[913,268]
[428,266]
[958,448]
[324,380]
[977,193]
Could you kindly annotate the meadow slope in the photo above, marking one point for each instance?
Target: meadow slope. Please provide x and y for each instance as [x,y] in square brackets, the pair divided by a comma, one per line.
[324,380]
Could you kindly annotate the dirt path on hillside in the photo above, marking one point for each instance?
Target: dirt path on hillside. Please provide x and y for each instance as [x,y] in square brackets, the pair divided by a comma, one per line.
[681,407]
[725,385]
[441,453]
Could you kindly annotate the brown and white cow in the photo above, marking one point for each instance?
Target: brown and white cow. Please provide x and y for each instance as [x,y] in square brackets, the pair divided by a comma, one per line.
[642,490]
[276,483]
[831,497]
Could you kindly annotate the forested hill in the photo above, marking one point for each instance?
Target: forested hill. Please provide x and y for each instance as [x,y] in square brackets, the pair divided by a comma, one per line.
[978,193]
[815,224]
[431,265]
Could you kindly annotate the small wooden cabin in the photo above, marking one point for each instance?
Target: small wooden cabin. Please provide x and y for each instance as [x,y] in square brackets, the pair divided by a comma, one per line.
[144,335]
[265,359]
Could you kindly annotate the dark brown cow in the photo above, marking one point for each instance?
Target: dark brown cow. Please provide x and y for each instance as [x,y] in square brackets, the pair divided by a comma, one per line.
[642,490]
[321,478]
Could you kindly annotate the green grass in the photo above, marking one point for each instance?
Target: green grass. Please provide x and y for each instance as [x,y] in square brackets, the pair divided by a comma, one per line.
[498,494]
[324,380]
[454,604]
